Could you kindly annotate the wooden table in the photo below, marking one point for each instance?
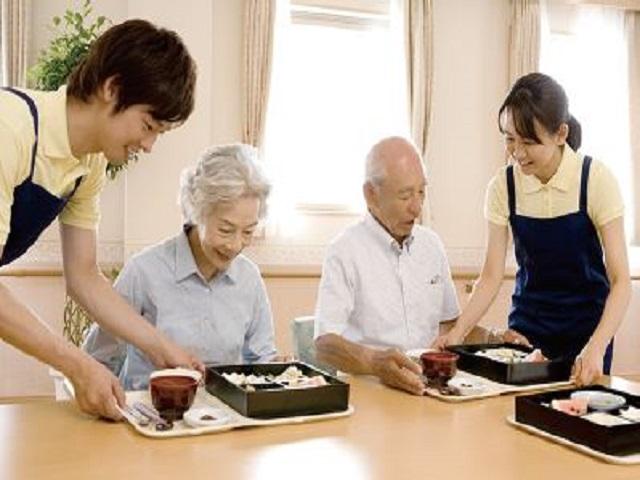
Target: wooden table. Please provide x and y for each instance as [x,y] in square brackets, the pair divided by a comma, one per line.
[392,435]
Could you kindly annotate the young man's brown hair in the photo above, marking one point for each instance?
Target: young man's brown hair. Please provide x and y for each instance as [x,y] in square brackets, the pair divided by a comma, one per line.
[149,65]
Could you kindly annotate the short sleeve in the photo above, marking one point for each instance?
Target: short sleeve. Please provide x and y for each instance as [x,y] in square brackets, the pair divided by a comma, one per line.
[604,200]
[14,169]
[496,205]
[335,296]
[83,208]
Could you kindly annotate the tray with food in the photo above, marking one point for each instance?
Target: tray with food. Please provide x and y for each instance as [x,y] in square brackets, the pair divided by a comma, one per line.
[176,404]
[445,381]
[271,390]
[511,364]
[595,417]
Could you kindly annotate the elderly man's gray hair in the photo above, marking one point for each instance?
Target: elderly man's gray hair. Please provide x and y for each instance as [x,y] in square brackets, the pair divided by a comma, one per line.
[222,174]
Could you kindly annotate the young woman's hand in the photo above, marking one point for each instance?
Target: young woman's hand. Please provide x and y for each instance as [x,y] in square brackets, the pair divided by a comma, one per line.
[511,336]
[452,337]
[587,368]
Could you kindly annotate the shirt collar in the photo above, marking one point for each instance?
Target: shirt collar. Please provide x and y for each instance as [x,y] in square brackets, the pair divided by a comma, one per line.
[54,138]
[383,236]
[186,263]
[561,180]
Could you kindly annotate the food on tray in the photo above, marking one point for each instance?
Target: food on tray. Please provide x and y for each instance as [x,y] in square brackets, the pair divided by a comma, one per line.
[605,419]
[598,400]
[292,377]
[631,413]
[511,355]
[205,417]
[570,406]
[467,386]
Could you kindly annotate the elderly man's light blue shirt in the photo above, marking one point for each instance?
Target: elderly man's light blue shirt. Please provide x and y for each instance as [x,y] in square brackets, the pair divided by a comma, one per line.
[225,320]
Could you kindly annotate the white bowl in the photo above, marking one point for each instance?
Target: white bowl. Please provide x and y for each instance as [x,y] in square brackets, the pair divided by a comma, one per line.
[602,401]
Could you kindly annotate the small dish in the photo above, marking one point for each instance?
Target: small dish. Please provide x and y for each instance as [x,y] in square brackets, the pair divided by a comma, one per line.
[601,401]
[205,417]
[466,386]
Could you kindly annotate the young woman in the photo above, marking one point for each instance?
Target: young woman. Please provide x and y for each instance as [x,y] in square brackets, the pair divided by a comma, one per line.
[563,209]
[136,82]
[197,287]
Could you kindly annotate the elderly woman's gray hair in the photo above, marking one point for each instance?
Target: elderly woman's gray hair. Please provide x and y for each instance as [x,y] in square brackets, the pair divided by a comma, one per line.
[222,174]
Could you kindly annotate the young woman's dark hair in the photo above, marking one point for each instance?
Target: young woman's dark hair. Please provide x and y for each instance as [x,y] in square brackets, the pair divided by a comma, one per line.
[538,96]
[150,66]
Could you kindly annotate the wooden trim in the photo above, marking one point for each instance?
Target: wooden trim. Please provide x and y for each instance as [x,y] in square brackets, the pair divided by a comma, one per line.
[267,271]
[623,4]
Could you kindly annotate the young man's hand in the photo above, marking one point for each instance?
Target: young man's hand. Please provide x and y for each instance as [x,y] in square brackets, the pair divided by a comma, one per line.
[169,355]
[97,390]
[397,370]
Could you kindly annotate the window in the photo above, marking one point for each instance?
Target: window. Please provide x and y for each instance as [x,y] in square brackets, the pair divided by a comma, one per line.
[586,53]
[338,85]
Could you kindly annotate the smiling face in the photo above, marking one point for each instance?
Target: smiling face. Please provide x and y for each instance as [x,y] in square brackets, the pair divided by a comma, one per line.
[397,200]
[126,132]
[226,232]
[129,132]
[540,159]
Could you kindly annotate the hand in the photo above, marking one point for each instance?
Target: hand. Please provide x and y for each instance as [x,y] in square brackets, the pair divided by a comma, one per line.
[170,355]
[397,370]
[511,336]
[587,367]
[452,337]
[97,391]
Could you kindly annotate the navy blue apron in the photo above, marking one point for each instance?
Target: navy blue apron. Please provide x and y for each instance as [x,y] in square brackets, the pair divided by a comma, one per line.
[561,283]
[33,208]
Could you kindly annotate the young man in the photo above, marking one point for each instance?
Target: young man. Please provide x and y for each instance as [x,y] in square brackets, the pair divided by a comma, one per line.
[136,82]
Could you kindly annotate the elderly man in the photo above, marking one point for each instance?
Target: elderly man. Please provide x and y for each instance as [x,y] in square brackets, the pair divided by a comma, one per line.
[386,284]
[196,287]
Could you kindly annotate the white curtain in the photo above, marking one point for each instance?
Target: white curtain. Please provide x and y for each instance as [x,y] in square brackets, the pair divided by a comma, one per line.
[258,54]
[525,41]
[419,52]
[14,15]
[632,34]
[418,33]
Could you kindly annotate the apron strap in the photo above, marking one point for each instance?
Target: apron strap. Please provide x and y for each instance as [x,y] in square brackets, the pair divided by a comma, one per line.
[511,190]
[34,115]
[586,165]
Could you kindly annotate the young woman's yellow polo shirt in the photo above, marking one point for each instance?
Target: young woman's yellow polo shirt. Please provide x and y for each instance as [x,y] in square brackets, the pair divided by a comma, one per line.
[559,196]
[56,169]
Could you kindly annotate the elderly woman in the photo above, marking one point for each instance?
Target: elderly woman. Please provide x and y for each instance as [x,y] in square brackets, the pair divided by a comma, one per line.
[196,287]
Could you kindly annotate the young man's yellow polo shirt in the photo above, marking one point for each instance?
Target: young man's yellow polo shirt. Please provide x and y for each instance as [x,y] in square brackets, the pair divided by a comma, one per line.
[56,169]
[559,196]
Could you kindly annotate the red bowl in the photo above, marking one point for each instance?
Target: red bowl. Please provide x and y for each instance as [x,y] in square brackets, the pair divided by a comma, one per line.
[172,395]
[439,367]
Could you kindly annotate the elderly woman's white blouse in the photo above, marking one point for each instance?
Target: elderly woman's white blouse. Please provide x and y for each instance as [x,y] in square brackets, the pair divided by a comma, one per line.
[225,320]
